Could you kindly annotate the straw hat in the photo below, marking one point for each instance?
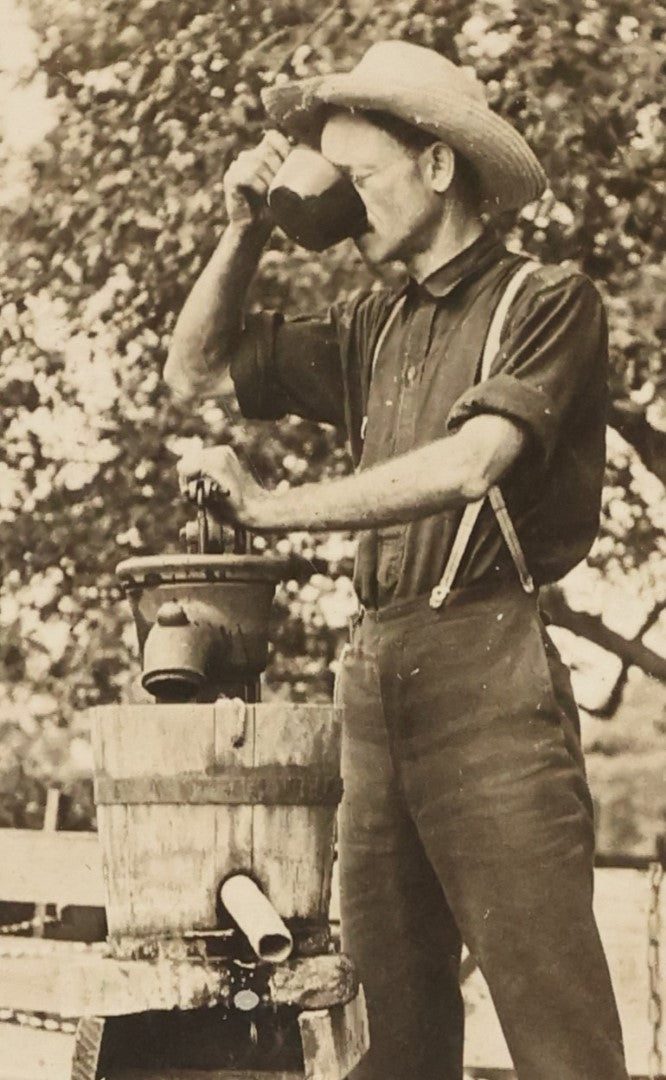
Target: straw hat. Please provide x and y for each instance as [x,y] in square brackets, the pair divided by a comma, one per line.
[427,90]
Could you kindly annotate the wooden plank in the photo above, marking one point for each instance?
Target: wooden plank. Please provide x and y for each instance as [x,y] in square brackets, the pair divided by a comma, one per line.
[485,1046]
[90,985]
[51,868]
[621,905]
[234,746]
[159,863]
[334,1040]
[293,845]
[87,1048]
[164,866]
[68,982]
[257,785]
[50,825]
[201,1074]
[61,951]
[315,982]
[29,1054]
[140,740]
[165,881]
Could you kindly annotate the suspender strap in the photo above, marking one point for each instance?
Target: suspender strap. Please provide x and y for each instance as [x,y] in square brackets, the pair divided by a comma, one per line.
[393,314]
[493,340]
[458,548]
[495,497]
[511,538]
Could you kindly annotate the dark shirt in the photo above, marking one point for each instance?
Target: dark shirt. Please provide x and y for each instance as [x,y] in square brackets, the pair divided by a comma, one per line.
[549,378]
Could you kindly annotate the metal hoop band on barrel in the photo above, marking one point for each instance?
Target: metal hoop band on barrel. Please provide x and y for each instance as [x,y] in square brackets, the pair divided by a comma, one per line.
[265,785]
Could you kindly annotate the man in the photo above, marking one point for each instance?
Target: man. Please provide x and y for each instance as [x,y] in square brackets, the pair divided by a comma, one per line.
[466,813]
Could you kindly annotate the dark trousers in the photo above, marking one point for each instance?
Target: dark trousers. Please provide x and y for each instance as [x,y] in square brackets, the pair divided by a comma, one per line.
[466,816]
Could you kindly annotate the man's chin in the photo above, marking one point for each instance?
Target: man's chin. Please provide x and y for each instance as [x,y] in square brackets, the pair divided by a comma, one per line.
[375,250]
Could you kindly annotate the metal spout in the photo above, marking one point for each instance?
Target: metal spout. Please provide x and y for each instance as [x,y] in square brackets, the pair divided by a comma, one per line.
[177,655]
[253,912]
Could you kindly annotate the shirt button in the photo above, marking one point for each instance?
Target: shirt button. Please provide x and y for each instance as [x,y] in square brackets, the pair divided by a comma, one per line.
[411,374]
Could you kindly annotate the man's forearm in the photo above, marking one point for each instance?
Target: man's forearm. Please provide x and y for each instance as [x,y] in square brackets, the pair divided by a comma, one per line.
[445,473]
[211,319]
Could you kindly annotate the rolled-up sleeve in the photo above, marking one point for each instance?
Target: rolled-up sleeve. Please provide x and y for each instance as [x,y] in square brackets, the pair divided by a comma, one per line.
[283,367]
[553,349]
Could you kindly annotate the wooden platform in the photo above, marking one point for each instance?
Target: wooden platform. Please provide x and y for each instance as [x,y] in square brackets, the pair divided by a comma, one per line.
[621,903]
[65,868]
[55,977]
[333,1042]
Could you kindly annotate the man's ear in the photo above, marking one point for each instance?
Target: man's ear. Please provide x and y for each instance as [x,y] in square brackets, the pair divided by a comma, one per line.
[440,163]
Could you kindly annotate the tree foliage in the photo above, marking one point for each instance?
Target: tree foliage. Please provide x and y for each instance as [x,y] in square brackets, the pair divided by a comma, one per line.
[123,206]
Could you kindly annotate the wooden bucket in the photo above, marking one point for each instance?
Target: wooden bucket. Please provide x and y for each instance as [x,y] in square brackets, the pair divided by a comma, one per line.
[188,794]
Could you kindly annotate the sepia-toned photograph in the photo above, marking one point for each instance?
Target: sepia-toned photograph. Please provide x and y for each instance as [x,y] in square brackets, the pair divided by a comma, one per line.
[332,540]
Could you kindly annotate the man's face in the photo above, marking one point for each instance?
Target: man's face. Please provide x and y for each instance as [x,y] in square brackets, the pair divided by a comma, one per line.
[400,203]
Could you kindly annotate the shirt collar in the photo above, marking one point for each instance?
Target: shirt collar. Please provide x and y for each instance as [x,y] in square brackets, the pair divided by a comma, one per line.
[471,261]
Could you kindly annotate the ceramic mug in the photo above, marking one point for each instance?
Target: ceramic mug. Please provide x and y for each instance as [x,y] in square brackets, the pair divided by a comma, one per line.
[313,202]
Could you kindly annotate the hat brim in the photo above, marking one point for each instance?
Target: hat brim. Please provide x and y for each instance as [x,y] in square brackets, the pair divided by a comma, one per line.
[509,174]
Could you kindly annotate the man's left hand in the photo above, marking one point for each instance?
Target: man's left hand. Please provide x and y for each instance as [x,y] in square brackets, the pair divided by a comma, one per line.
[232,488]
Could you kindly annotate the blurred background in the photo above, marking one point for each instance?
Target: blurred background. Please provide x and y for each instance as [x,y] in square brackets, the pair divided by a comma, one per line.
[117,121]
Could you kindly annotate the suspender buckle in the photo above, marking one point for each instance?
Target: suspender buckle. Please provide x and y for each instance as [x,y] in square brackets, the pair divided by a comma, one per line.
[527,582]
[438,596]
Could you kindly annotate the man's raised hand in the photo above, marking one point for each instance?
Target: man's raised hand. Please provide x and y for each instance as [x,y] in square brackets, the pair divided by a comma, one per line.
[248,178]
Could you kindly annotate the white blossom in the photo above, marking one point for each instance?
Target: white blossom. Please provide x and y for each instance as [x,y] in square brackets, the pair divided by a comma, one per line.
[650,129]
[12,487]
[594,671]
[627,28]
[75,475]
